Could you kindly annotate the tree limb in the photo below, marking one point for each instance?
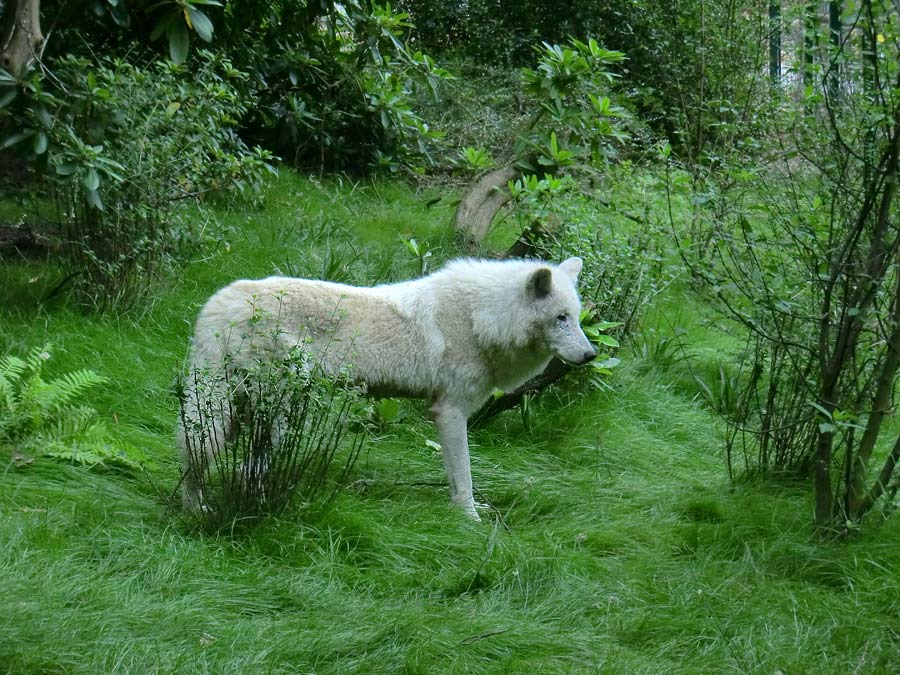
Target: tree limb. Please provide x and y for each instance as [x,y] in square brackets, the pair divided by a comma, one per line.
[22,40]
[555,371]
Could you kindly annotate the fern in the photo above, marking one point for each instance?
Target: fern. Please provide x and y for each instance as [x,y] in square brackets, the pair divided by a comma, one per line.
[40,416]
[12,369]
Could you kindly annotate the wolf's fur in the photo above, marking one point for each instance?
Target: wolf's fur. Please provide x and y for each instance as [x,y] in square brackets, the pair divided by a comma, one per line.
[450,338]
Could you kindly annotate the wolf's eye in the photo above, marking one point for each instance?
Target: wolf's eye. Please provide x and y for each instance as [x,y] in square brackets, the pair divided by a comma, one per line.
[562,317]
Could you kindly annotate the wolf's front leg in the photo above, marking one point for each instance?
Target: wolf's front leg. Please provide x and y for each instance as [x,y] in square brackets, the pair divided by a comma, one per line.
[451,424]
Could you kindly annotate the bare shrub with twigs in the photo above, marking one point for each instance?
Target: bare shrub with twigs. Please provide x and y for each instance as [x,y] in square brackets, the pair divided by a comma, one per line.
[255,438]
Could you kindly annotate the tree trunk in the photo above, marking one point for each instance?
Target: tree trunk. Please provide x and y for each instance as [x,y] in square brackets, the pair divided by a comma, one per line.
[857,504]
[810,32]
[775,42]
[883,477]
[879,198]
[480,204]
[835,33]
[21,35]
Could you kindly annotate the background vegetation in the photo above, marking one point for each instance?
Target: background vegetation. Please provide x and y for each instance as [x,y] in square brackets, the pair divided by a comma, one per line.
[716,494]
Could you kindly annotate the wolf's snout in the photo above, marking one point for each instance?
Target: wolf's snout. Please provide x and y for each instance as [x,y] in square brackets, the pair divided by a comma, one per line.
[588,356]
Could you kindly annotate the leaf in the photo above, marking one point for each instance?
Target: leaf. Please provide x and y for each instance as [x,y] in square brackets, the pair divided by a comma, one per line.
[388,410]
[91,180]
[93,199]
[66,169]
[40,143]
[120,15]
[7,98]
[606,325]
[200,23]
[44,116]
[821,409]
[607,340]
[179,42]
[162,27]
[17,138]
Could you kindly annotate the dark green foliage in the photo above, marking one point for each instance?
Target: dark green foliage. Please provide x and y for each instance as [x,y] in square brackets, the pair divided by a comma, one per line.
[119,152]
[334,85]
[122,138]
[330,85]
[690,70]
[575,121]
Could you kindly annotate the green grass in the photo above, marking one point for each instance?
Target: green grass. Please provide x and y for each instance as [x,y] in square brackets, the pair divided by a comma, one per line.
[620,545]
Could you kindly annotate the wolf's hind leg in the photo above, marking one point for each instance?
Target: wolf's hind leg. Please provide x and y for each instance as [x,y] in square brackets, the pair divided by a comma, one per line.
[201,439]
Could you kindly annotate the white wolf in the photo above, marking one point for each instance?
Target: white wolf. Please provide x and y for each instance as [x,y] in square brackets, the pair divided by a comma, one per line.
[451,338]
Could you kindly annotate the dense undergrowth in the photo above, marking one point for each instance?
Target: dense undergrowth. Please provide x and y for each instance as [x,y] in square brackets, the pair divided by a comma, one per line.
[616,543]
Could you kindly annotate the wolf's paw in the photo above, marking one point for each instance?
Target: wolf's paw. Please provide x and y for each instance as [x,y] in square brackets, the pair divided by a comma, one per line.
[471,510]
[194,503]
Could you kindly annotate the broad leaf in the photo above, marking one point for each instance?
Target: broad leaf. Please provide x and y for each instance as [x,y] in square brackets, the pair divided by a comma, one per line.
[91,180]
[201,23]
[18,137]
[179,42]
[93,199]
[66,169]
[40,143]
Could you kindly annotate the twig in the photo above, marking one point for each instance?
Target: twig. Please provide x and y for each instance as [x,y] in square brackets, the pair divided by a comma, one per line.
[478,637]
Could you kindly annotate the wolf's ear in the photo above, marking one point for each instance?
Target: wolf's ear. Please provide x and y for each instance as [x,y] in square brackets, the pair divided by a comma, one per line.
[539,283]
[572,267]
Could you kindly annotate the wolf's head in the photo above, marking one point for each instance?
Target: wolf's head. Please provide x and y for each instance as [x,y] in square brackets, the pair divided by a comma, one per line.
[557,309]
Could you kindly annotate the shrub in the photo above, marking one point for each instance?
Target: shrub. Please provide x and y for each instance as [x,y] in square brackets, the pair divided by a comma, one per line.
[294,432]
[340,92]
[575,123]
[624,266]
[119,155]
[801,253]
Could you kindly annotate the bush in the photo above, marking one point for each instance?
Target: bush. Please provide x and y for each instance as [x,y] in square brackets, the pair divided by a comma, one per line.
[624,263]
[801,253]
[339,94]
[119,155]
[292,431]
[692,66]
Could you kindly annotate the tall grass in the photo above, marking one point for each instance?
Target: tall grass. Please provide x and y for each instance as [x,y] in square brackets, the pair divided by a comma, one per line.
[616,543]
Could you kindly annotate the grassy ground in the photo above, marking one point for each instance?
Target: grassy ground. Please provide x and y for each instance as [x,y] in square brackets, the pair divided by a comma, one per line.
[622,546]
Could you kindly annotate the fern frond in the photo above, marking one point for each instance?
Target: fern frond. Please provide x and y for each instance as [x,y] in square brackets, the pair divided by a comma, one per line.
[93,445]
[12,368]
[12,371]
[37,356]
[39,415]
[67,387]
[75,422]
